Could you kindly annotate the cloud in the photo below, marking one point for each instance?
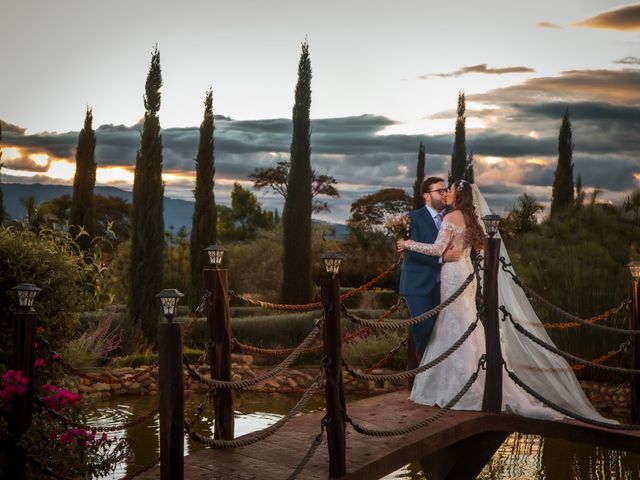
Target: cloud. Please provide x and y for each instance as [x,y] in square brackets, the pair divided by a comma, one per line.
[548,25]
[626,18]
[480,68]
[8,127]
[629,60]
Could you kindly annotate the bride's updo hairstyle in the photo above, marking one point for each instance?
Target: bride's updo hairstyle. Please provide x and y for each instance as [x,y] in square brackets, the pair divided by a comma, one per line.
[474,234]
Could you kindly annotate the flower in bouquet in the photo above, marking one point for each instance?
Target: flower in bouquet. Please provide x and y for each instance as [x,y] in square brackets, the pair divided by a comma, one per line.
[398,225]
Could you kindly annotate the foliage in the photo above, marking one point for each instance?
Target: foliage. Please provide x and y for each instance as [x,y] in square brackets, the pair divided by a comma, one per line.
[94,345]
[82,216]
[147,239]
[203,226]
[418,200]
[367,253]
[521,218]
[241,221]
[296,217]
[364,352]
[275,178]
[368,213]
[461,166]
[177,260]
[562,192]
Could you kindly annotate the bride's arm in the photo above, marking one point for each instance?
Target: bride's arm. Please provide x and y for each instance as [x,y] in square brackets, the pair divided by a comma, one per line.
[435,249]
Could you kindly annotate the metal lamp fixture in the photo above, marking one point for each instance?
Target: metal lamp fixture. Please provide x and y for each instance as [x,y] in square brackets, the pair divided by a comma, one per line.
[491,223]
[26,294]
[215,252]
[634,268]
[169,299]
[332,262]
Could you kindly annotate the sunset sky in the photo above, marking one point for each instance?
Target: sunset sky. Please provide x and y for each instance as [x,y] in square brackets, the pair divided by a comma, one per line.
[386,76]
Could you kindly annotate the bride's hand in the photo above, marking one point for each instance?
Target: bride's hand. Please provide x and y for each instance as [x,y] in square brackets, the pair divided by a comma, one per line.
[400,245]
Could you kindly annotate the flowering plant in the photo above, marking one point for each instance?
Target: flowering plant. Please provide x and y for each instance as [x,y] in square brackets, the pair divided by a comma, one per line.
[398,225]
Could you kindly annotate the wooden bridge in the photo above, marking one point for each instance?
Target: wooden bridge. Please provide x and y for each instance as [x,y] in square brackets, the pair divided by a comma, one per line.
[455,447]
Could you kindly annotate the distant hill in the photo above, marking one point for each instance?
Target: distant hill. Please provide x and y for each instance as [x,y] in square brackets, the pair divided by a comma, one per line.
[176,212]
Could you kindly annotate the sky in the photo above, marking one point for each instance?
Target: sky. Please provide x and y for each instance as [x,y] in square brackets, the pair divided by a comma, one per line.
[386,76]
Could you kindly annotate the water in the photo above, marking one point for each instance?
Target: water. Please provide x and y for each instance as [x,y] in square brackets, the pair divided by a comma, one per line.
[520,457]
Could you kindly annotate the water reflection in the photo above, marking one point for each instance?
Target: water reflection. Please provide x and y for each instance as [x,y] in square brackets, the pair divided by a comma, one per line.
[520,457]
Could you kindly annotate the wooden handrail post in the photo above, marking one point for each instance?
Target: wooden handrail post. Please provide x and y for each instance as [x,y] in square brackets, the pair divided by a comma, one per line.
[334,389]
[24,332]
[634,324]
[219,325]
[171,401]
[492,400]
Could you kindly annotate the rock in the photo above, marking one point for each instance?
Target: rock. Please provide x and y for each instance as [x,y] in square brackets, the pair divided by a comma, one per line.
[101,387]
[85,389]
[292,383]
[134,387]
[235,377]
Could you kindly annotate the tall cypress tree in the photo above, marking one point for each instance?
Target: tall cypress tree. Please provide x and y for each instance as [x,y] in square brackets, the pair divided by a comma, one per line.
[203,229]
[296,216]
[418,200]
[468,171]
[1,194]
[562,192]
[82,213]
[147,224]
[459,154]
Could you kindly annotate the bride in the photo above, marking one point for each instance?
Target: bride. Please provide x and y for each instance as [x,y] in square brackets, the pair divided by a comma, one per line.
[548,374]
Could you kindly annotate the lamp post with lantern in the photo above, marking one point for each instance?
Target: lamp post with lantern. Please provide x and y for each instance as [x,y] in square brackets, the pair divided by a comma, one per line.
[24,334]
[492,400]
[171,388]
[219,325]
[634,324]
[334,389]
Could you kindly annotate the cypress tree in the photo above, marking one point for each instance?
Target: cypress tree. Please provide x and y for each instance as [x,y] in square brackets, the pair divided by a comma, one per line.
[418,200]
[82,215]
[562,192]
[147,224]
[296,216]
[468,171]
[1,194]
[459,154]
[203,229]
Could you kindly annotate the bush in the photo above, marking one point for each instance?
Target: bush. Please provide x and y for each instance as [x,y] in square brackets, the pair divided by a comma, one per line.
[365,352]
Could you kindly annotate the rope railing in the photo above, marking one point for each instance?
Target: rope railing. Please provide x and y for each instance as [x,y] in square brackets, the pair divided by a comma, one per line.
[242,384]
[393,324]
[312,449]
[254,437]
[603,316]
[506,315]
[412,428]
[423,368]
[591,322]
[565,411]
[305,307]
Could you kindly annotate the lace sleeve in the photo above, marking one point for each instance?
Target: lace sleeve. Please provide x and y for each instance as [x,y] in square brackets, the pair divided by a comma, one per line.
[435,249]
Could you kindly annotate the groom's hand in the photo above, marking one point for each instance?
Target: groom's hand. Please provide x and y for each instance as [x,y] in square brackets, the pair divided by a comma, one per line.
[452,254]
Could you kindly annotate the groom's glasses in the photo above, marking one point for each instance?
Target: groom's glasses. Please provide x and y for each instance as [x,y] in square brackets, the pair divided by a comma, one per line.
[440,191]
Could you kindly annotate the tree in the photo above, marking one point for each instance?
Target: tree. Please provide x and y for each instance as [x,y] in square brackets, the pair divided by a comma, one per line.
[468,171]
[244,218]
[418,200]
[147,239]
[580,193]
[82,216]
[368,213]
[461,168]
[522,217]
[203,229]
[2,214]
[296,217]
[562,192]
[275,178]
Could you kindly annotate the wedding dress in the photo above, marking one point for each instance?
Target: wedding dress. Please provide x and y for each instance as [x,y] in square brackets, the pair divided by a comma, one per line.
[548,374]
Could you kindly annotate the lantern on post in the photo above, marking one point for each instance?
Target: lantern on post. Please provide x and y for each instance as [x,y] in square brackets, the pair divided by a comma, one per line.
[491,224]
[215,252]
[26,295]
[332,261]
[169,299]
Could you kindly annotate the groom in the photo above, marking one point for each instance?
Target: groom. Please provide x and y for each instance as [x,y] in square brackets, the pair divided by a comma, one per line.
[420,275]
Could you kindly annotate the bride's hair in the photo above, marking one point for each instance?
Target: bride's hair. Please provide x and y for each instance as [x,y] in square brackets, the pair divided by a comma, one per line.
[474,234]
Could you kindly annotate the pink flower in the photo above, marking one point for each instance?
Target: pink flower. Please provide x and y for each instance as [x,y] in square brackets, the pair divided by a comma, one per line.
[55,357]
[13,384]
[39,362]
[58,398]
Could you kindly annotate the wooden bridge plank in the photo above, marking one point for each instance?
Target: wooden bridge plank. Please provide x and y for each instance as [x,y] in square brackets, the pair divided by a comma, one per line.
[373,457]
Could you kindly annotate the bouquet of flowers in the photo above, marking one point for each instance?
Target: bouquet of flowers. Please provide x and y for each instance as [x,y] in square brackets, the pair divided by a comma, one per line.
[398,225]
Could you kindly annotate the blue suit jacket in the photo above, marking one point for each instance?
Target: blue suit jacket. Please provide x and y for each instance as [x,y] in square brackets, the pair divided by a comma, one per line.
[419,272]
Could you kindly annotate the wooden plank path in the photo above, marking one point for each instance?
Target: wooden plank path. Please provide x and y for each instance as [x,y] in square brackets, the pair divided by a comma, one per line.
[373,457]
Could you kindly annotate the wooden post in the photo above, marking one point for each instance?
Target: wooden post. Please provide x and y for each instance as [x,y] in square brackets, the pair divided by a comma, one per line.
[334,389]
[171,401]
[24,332]
[634,324]
[219,323]
[492,401]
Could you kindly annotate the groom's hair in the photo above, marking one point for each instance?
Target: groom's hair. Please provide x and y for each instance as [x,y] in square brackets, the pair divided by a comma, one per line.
[426,184]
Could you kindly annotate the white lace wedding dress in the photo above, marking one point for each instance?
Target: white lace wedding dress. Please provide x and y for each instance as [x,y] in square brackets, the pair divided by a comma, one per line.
[548,374]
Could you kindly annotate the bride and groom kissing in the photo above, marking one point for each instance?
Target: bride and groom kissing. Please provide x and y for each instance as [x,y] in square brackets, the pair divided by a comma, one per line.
[442,236]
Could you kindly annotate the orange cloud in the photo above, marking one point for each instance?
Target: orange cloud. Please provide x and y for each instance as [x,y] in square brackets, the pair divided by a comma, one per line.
[480,68]
[625,19]
[548,25]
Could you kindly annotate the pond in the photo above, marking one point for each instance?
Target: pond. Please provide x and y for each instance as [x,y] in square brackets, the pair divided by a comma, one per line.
[520,457]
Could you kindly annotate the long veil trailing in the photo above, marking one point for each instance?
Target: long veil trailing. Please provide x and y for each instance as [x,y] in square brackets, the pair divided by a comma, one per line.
[545,372]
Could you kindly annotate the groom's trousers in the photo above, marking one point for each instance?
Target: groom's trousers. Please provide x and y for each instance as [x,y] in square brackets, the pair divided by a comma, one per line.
[418,304]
